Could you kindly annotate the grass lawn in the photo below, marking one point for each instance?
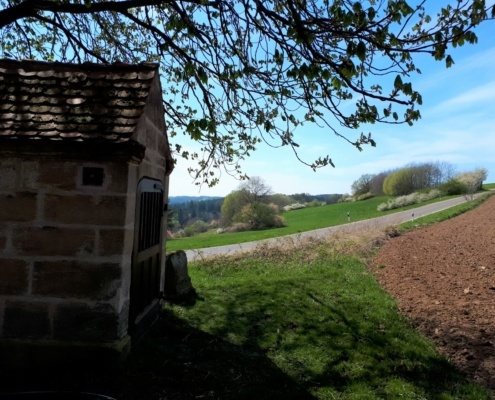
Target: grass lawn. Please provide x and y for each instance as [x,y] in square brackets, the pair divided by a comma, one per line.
[297,323]
[302,220]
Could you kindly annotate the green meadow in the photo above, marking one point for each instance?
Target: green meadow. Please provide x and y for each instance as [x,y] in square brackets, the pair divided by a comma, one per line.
[297,221]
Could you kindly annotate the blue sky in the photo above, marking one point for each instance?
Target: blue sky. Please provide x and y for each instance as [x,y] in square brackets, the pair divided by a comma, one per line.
[457,126]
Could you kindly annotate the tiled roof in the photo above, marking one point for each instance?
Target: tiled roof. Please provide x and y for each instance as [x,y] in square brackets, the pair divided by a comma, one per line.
[72,101]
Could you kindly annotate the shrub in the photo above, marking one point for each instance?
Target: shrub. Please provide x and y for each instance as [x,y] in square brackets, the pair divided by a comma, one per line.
[364,196]
[399,182]
[314,203]
[453,187]
[294,206]
[413,198]
[260,215]
[195,228]
[346,198]
[473,180]
[238,227]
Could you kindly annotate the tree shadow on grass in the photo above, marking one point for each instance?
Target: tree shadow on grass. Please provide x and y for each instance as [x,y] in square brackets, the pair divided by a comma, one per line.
[338,346]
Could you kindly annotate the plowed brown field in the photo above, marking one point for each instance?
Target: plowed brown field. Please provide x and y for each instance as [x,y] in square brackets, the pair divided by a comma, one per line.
[443,278]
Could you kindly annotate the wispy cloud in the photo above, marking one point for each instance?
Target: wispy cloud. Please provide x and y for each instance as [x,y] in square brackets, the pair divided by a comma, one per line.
[481,94]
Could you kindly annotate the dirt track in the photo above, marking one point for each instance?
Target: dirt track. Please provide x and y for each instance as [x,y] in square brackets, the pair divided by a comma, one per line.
[443,278]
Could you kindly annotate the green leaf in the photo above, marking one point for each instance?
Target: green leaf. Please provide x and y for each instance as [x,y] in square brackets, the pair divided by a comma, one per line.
[203,123]
[202,75]
[361,51]
[449,61]
[407,88]
[398,82]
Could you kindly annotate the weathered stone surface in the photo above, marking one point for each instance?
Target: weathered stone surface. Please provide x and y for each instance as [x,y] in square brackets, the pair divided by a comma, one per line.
[112,242]
[78,321]
[8,177]
[92,210]
[177,280]
[26,320]
[13,277]
[76,279]
[17,207]
[3,240]
[60,175]
[117,176]
[52,241]
[28,178]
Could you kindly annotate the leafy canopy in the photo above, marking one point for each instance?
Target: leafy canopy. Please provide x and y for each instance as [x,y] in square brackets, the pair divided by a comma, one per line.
[238,72]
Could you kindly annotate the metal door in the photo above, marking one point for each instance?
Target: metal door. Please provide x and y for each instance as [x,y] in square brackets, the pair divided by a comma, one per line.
[147,254]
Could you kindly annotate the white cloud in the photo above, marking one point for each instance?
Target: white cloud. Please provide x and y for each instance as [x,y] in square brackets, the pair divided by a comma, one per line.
[482,95]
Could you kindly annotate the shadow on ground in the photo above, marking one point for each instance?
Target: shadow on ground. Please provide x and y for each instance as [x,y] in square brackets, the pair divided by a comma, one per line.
[173,361]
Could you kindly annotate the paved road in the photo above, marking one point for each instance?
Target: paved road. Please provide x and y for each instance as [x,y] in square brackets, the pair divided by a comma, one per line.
[380,222]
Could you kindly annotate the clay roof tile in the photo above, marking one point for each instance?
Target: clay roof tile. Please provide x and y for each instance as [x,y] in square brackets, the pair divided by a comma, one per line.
[72,102]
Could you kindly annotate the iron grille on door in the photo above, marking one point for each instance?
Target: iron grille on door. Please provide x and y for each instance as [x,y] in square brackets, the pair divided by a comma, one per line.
[151,218]
[146,265]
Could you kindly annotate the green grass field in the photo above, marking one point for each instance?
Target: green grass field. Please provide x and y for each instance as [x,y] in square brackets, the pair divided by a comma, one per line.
[294,321]
[297,221]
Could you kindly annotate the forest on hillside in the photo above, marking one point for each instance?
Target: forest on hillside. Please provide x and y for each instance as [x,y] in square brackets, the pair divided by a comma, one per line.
[209,209]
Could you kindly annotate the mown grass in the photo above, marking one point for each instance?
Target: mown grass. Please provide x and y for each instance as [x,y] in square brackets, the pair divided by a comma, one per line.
[297,221]
[307,320]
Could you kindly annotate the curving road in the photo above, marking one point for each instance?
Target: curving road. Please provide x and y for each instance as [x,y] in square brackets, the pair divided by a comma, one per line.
[379,222]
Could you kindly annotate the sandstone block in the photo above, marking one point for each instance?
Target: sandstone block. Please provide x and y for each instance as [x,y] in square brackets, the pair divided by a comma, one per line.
[17,207]
[13,277]
[84,209]
[118,175]
[29,174]
[26,320]
[3,241]
[58,174]
[79,321]
[8,177]
[76,279]
[52,241]
[112,242]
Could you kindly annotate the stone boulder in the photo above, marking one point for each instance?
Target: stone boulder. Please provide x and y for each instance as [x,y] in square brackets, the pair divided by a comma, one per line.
[177,281]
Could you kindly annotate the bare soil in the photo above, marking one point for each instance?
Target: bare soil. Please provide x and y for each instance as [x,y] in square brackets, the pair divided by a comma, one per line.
[443,279]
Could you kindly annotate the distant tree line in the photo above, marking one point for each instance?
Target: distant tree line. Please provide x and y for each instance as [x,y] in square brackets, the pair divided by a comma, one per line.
[252,205]
[416,177]
[192,211]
